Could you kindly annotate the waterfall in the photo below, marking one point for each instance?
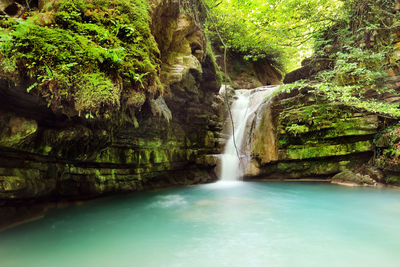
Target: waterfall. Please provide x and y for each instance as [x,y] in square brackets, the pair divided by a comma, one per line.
[243,112]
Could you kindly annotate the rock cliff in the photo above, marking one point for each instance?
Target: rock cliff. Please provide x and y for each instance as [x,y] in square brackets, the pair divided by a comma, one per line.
[310,138]
[46,155]
[301,134]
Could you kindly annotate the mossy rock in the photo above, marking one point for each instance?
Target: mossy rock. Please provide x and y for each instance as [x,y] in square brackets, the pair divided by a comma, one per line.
[324,150]
[323,168]
[351,178]
[83,57]
[16,130]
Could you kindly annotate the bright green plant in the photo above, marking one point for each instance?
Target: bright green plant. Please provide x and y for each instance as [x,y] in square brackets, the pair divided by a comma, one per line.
[82,60]
[296,129]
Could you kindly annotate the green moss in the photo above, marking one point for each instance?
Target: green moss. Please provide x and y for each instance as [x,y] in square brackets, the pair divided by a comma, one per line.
[317,114]
[388,152]
[16,130]
[392,179]
[91,55]
[299,169]
[95,91]
[296,129]
[283,141]
[324,150]
[220,74]
[324,121]
[47,149]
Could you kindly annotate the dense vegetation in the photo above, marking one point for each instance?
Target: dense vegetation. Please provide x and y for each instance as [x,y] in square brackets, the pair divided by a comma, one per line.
[84,57]
[281,31]
[357,37]
[362,47]
[90,57]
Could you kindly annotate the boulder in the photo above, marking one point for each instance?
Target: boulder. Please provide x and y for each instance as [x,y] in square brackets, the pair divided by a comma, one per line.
[353,179]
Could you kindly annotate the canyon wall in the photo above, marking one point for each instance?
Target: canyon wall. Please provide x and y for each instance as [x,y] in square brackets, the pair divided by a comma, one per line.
[45,155]
[310,138]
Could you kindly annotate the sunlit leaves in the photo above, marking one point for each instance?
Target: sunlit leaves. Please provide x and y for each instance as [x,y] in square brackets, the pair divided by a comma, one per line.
[281,30]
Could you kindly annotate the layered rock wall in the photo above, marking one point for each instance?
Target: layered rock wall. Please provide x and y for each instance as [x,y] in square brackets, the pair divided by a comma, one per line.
[48,156]
[311,138]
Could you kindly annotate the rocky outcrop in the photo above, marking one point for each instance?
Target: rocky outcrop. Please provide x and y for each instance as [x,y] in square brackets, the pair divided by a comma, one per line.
[309,67]
[249,74]
[351,178]
[320,138]
[311,138]
[48,156]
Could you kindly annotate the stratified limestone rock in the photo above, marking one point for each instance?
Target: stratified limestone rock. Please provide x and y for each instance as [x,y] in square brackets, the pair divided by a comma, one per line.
[209,160]
[311,138]
[47,156]
[300,152]
[181,41]
[27,185]
[11,8]
[264,137]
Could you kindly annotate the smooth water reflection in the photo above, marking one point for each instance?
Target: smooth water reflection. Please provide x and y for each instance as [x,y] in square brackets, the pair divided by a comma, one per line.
[222,224]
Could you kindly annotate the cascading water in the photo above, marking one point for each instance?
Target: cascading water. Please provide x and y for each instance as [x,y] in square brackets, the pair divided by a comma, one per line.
[242,110]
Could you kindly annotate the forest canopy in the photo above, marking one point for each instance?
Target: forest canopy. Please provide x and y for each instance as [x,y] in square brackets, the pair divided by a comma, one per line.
[282,31]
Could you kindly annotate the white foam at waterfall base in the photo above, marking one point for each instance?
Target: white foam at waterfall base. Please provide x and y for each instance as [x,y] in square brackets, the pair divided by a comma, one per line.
[242,110]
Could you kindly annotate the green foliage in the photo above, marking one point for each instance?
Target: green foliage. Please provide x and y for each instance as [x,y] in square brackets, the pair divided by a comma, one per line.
[281,31]
[83,59]
[220,74]
[95,88]
[388,152]
[391,179]
[360,46]
[350,95]
[296,129]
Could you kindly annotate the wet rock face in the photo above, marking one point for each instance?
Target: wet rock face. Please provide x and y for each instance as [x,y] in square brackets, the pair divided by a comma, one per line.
[48,156]
[313,138]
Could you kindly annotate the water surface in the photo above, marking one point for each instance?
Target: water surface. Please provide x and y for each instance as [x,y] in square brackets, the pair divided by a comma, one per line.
[222,224]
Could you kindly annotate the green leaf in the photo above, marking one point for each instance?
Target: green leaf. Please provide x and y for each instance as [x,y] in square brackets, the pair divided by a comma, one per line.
[31,87]
[48,70]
